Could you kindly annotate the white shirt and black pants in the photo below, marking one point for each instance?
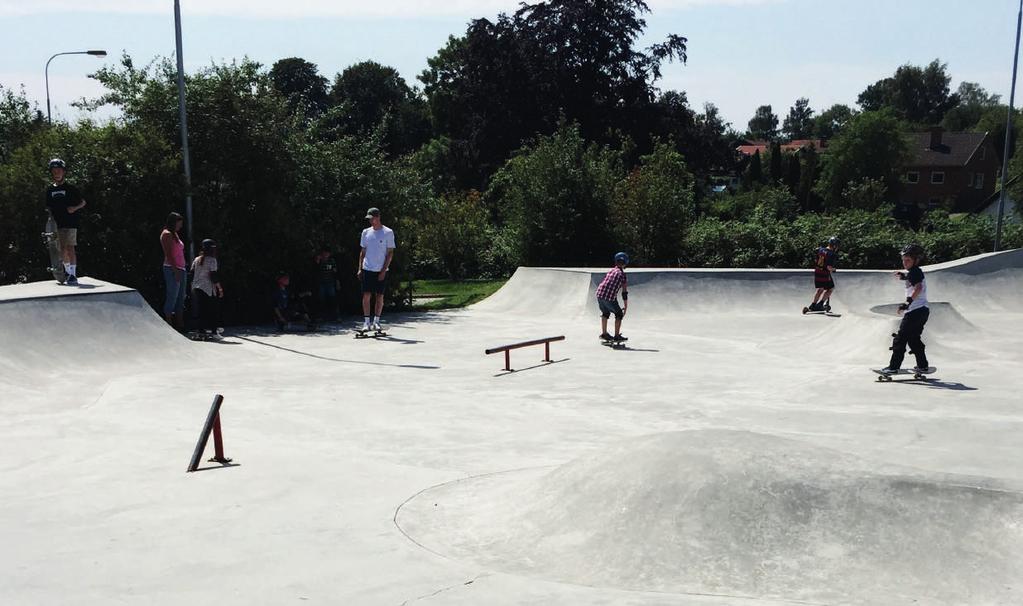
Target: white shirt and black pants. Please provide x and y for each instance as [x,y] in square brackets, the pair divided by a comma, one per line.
[913,321]
[376,242]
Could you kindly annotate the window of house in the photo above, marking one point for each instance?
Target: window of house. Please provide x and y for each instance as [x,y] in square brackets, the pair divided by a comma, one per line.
[979,181]
[913,177]
[937,178]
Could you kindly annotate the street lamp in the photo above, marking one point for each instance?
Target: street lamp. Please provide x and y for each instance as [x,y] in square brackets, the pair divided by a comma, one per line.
[94,53]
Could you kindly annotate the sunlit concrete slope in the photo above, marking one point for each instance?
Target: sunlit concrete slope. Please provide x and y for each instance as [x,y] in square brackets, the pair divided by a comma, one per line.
[51,333]
[984,283]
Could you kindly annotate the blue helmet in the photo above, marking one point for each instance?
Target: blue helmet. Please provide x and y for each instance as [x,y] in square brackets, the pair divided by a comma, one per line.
[622,258]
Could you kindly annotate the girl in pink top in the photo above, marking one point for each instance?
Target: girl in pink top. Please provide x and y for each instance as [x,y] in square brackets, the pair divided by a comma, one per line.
[174,271]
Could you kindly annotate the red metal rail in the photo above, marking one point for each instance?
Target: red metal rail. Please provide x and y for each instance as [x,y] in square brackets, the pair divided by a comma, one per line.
[507,349]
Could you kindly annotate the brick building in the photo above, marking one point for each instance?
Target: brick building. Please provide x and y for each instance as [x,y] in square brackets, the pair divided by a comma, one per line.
[954,170]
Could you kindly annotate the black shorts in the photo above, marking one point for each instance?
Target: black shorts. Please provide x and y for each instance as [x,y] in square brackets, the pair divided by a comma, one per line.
[826,283]
[609,307]
[371,282]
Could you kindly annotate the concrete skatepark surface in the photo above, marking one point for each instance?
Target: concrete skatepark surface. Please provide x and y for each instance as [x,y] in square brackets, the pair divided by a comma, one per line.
[736,452]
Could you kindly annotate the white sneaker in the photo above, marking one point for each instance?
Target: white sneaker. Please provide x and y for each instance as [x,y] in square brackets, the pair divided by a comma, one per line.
[365,326]
[376,326]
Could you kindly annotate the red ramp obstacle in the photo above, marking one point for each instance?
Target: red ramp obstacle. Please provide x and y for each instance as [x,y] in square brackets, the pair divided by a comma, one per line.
[546,342]
[212,425]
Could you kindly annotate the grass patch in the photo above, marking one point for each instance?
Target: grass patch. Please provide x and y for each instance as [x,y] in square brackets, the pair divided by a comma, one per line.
[452,294]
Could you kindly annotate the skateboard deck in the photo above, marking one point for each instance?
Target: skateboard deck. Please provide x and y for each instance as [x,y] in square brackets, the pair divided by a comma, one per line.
[613,344]
[831,314]
[53,247]
[883,377]
[369,334]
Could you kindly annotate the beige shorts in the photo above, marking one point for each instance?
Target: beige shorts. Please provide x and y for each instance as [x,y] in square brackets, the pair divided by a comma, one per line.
[67,237]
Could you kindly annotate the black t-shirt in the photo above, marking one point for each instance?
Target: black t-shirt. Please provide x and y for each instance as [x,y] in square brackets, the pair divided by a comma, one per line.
[58,199]
[328,270]
[915,276]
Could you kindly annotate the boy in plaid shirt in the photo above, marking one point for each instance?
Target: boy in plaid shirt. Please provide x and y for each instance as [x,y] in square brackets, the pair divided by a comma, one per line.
[607,298]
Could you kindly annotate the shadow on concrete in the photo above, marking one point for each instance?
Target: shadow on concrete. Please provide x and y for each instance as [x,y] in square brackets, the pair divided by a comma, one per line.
[340,360]
[935,384]
[217,466]
[516,371]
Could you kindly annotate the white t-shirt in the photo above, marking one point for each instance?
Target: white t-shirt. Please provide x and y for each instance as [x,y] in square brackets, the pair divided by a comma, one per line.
[201,279]
[376,242]
[913,277]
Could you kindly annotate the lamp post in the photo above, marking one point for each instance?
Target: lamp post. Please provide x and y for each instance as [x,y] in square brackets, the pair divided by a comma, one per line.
[1008,132]
[184,127]
[94,53]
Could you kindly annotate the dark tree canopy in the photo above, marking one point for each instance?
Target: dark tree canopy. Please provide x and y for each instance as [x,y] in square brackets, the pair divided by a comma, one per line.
[764,124]
[799,124]
[369,96]
[830,122]
[919,95]
[974,101]
[302,84]
[506,80]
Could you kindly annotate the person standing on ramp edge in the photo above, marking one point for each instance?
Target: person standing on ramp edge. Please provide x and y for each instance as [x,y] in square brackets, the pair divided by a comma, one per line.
[914,312]
[64,202]
[607,298]
[374,261]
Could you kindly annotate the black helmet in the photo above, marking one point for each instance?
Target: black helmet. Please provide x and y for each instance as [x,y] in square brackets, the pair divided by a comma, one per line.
[208,245]
[834,241]
[57,163]
[913,250]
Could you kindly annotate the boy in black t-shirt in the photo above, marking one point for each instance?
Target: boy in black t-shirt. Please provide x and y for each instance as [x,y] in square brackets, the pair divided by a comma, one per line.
[914,312]
[64,202]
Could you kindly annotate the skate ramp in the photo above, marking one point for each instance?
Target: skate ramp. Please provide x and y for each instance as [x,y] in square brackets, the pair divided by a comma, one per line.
[732,513]
[94,331]
[985,284]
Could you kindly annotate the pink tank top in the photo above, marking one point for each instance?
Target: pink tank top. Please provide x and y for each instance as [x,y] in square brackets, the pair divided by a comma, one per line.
[177,259]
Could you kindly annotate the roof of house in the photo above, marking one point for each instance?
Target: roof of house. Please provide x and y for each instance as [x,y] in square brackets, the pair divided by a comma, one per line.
[956,149]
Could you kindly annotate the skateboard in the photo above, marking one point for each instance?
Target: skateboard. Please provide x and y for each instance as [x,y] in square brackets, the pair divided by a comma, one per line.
[369,334]
[613,344]
[53,246]
[883,377]
[823,312]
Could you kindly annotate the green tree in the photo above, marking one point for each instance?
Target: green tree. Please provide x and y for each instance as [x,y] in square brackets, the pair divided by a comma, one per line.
[368,96]
[799,124]
[554,197]
[456,235]
[653,207]
[867,194]
[830,122]
[18,121]
[775,163]
[809,169]
[792,173]
[873,145]
[763,126]
[753,176]
[918,95]
[507,80]
[301,83]
[973,102]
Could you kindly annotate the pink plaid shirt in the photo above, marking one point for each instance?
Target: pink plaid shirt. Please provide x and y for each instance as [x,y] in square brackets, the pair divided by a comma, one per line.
[612,282]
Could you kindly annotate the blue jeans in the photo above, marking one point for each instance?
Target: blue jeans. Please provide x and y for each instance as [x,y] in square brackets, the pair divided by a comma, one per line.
[174,303]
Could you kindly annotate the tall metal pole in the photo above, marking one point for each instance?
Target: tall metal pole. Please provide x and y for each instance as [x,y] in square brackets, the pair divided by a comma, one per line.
[184,128]
[1008,132]
[46,74]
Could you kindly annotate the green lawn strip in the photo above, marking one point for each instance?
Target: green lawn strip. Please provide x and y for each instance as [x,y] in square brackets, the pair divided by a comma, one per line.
[453,294]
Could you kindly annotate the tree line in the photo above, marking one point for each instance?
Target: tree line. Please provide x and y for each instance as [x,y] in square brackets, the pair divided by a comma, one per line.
[536,138]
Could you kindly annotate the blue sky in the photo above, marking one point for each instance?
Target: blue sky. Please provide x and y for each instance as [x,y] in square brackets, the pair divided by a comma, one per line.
[742,53]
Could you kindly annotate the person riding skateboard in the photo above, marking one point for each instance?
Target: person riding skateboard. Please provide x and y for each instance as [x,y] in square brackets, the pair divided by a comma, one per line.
[64,201]
[607,298]
[207,289]
[374,261]
[914,312]
[823,267]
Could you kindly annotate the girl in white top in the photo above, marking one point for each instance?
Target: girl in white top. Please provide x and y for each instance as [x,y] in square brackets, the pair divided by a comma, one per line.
[206,288]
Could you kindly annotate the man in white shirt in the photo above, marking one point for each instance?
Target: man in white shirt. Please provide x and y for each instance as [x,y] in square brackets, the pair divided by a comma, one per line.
[374,261]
